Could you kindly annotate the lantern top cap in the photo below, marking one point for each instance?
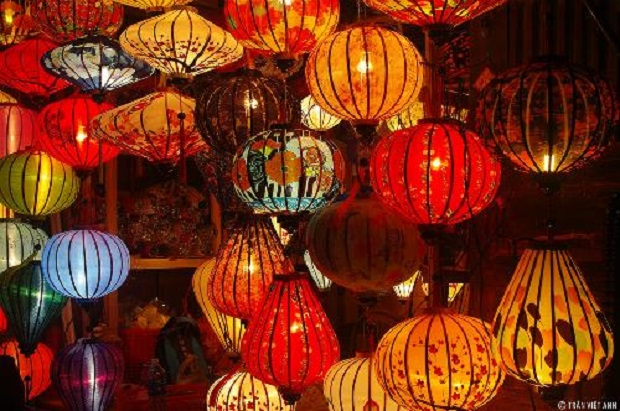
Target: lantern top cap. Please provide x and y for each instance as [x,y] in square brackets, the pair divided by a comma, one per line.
[362,354]
[438,311]
[550,58]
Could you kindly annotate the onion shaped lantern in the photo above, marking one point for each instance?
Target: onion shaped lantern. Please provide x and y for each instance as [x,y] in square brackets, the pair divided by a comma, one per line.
[287,171]
[548,329]
[514,114]
[36,184]
[85,264]
[96,64]
[361,245]
[365,74]
[181,43]
[229,330]
[438,361]
[403,290]
[18,128]
[15,21]
[241,391]
[21,69]
[435,173]
[153,5]
[65,133]
[290,342]
[159,127]
[87,373]
[29,303]
[314,117]
[245,266]
[66,20]
[33,370]
[287,28]
[322,283]
[18,241]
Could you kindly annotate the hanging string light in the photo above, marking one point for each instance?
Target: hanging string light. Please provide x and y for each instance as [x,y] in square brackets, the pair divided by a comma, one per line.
[314,117]
[18,128]
[18,241]
[34,370]
[15,21]
[240,391]
[322,283]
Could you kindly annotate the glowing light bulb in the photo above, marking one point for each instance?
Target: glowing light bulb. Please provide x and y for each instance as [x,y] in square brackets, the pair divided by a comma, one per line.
[295,327]
[364,65]
[436,163]
[81,134]
[8,17]
[548,165]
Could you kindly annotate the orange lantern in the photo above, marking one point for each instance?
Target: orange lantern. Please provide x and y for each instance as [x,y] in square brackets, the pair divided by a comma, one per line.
[34,369]
[17,128]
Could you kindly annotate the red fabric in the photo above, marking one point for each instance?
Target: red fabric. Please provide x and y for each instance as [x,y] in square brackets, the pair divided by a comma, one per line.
[36,367]
[17,129]
[3,321]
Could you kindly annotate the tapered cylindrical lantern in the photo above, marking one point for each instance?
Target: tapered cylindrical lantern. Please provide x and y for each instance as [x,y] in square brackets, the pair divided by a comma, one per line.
[34,370]
[36,184]
[548,329]
[287,28]
[87,373]
[18,241]
[65,133]
[15,21]
[537,138]
[438,361]
[435,173]
[322,283]
[181,43]
[29,303]
[290,342]
[240,391]
[245,266]
[365,74]
[314,117]
[159,127]
[229,330]
[18,128]
[287,171]
[361,245]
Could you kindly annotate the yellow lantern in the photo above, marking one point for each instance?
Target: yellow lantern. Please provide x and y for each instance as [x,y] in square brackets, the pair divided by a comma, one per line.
[314,117]
[403,290]
[181,43]
[153,5]
[548,329]
[239,391]
[36,184]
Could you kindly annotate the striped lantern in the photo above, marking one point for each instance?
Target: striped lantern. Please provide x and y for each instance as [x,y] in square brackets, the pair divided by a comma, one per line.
[34,370]
[403,290]
[322,283]
[18,241]
[240,391]
[18,128]
[314,117]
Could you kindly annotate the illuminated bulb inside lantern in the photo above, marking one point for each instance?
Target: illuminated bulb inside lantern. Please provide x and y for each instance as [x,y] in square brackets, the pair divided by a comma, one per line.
[8,17]
[81,134]
[436,163]
[364,65]
[548,166]
[251,103]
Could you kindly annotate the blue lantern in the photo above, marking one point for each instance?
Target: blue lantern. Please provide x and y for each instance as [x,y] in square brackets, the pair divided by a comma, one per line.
[85,264]
[18,241]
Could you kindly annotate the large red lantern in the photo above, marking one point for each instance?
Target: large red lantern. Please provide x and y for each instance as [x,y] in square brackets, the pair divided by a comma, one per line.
[17,128]
[65,133]
[290,342]
[435,173]
[34,369]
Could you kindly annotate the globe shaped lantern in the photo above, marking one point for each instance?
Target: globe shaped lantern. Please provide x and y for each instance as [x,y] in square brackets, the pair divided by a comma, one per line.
[548,329]
[34,370]
[36,184]
[153,5]
[18,241]
[438,361]
[96,64]
[87,373]
[65,133]
[15,21]
[435,173]
[287,171]
[322,283]
[290,342]
[181,43]
[539,140]
[240,391]
[18,128]
[314,117]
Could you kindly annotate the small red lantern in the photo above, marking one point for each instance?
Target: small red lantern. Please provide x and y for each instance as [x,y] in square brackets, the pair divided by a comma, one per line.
[34,369]
[65,133]
[17,128]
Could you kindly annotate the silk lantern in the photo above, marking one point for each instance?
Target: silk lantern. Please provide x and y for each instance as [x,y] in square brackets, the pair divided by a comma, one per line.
[18,128]
[287,171]
[34,370]
[229,330]
[15,21]
[29,303]
[153,5]
[290,342]
[181,43]
[364,74]
[86,374]
[548,329]
[18,241]
[240,391]
[540,140]
[435,173]
[438,361]
[3,322]
[35,184]
[403,290]
[314,117]
[159,127]
[415,112]
[322,283]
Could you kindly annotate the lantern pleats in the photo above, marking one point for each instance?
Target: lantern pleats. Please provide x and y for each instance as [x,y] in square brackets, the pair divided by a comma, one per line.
[18,128]
[241,391]
[548,329]
[153,4]
[322,283]
[15,21]
[18,241]
[403,290]
[34,370]
[314,117]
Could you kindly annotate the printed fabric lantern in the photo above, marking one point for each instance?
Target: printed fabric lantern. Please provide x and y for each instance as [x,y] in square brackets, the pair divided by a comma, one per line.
[34,370]
[15,21]
[18,241]
[153,5]
[438,361]
[435,173]
[29,303]
[21,69]
[18,128]
[290,342]
[65,133]
[159,127]
[365,74]
[85,264]
[66,20]
[287,171]
[540,140]
[240,391]
[181,43]
[96,64]
[287,28]
[87,373]
[245,266]
[229,330]
[548,329]
[361,245]
[35,184]
[314,117]
[322,283]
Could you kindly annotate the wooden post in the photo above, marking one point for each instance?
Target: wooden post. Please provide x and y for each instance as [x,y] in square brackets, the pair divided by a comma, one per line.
[111,201]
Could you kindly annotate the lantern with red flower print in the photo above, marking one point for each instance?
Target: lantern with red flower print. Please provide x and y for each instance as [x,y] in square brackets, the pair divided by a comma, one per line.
[290,342]
[17,128]
[65,133]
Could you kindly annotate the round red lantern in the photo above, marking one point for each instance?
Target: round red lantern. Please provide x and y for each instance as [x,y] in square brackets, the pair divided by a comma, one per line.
[17,128]
[435,173]
[34,369]
[65,132]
